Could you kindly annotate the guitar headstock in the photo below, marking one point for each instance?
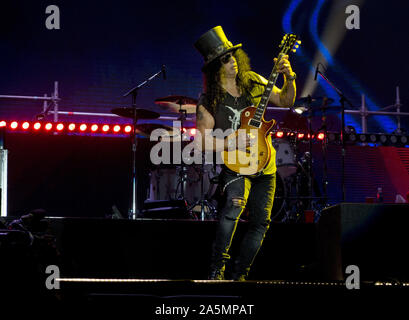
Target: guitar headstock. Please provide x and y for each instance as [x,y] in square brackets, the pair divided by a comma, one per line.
[290,42]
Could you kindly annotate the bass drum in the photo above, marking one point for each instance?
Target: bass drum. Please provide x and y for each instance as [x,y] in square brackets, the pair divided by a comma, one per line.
[165,183]
[285,157]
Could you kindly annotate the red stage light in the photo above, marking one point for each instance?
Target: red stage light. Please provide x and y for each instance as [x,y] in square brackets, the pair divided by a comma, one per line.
[321,136]
[300,135]
[61,126]
[280,134]
[128,129]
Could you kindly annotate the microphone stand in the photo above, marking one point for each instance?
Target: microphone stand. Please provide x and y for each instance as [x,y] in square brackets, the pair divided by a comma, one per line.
[309,118]
[324,150]
[134,211]
[342,100]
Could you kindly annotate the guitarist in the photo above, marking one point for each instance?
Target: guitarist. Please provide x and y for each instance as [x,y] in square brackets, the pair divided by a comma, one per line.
[230,86]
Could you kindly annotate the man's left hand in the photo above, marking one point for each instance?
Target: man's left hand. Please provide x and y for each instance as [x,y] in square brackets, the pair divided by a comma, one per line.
[284,66]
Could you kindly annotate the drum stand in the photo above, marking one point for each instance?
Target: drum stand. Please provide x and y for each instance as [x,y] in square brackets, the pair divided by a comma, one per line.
[134,211]
[324,152]
[182,170]
[342,100]
[203,202]
[183,175]
[310,152]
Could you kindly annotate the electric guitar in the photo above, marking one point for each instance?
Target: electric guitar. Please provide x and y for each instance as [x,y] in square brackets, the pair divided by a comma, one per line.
[256,157]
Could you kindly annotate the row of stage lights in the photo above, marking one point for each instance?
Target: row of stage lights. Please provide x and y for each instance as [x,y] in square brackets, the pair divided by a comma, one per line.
[65,127]
[298,135]
[393,139]
[390,139]
[126,129]
[86,128]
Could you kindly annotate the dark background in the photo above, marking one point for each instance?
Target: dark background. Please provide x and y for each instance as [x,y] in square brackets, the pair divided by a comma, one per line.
[105,48]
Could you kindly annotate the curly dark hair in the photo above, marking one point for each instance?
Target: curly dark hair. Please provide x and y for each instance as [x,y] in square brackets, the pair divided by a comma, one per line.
[213,74]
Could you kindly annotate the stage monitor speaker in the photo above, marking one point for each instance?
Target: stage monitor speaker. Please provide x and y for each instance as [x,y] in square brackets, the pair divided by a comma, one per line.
[371,236]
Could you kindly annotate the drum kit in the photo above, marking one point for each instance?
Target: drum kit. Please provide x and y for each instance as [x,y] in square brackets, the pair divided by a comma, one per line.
[297,190]
[197,184]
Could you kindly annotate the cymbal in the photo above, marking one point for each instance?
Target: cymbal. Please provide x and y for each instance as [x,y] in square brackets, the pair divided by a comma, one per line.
[147,128]
[175,103]
[312,101]
[129,112]
[178,100]
[318,112]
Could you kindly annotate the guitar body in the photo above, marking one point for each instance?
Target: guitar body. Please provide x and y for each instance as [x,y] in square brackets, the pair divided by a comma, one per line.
[258,155]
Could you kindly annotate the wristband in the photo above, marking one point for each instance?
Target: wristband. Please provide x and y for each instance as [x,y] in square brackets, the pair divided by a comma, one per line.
[293,77]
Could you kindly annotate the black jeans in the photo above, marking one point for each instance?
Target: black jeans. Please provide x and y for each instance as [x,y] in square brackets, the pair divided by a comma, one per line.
[258,192]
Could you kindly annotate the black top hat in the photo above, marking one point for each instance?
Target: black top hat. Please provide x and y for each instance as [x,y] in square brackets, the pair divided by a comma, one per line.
[213,44]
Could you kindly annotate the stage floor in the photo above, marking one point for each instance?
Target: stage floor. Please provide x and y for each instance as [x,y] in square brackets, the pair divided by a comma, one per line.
[157,262]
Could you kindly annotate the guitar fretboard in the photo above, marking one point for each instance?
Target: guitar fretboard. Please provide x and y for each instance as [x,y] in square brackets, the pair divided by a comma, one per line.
[272,79]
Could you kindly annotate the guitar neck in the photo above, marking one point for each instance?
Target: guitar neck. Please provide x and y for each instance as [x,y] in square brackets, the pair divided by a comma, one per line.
[272,79]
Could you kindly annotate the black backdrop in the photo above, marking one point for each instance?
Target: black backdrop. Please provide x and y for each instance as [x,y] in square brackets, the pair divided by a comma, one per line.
[69,175]
[106,47]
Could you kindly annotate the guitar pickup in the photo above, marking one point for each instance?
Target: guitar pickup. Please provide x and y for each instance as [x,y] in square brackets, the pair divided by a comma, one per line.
[255,123]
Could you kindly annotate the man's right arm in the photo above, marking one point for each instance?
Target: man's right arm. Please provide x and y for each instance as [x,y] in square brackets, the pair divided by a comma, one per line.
[205,124]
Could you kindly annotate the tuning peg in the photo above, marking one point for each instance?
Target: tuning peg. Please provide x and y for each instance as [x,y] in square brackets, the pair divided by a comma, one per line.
[299,41]
[294,50]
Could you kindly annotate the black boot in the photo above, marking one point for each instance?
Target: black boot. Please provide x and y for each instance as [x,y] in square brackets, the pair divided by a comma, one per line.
[216,274]
[240,273]
[239,277]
